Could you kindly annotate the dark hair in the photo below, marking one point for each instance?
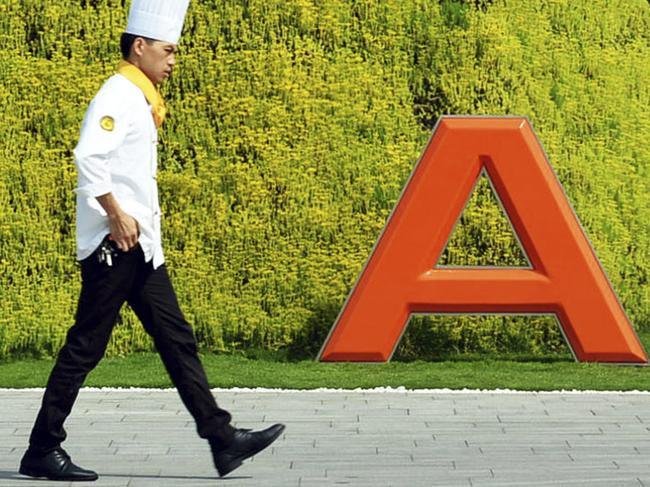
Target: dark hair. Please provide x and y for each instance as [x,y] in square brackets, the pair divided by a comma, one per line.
[126,42]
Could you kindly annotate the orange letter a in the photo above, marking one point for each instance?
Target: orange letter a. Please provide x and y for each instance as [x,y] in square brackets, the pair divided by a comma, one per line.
[400,277]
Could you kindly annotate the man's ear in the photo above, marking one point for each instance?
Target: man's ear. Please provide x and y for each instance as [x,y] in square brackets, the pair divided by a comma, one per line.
[138,46]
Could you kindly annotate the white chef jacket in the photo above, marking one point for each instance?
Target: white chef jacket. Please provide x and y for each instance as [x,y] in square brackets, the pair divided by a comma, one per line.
[117,154]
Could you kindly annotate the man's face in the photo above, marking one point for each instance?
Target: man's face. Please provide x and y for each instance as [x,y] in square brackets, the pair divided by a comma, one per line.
[157,60]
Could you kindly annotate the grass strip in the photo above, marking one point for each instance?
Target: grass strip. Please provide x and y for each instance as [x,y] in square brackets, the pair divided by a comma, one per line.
[146,370]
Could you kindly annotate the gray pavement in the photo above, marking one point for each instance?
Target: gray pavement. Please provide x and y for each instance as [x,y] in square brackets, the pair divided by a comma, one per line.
[143,438]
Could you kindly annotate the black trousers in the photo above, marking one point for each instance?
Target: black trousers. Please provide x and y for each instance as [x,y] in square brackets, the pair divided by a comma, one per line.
[150,294]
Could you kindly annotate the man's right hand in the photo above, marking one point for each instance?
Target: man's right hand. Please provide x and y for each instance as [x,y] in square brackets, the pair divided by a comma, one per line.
[123,227]
[124,230]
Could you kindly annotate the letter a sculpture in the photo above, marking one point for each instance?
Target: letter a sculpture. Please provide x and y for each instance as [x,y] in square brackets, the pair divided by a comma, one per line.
[401,277]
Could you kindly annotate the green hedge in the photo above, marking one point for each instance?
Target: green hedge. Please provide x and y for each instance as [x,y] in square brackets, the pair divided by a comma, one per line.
[293,127]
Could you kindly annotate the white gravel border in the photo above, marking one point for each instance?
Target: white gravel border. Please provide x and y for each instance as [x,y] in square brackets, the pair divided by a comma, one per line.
[379,390]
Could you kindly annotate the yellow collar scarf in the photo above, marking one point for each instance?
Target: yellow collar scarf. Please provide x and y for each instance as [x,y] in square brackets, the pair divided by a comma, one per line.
[138,78]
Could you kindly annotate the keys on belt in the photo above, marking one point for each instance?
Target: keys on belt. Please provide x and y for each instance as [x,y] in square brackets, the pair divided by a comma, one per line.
[105,253]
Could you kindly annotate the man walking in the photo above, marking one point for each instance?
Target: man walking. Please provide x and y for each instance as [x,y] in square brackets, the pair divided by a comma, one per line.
[121,257]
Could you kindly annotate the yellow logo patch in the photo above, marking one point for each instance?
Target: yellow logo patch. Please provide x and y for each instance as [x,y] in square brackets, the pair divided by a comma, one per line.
[107,123]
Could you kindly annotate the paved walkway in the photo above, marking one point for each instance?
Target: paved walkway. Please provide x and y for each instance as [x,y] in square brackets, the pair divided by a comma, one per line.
[145,438]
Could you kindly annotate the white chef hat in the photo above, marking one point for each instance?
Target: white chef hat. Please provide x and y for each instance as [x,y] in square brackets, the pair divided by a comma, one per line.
[161,20]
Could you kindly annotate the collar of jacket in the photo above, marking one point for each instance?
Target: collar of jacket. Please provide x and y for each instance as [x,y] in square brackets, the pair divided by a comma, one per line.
[138,78]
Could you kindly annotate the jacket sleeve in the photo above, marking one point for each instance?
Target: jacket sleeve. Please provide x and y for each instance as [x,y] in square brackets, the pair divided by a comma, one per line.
[104,129]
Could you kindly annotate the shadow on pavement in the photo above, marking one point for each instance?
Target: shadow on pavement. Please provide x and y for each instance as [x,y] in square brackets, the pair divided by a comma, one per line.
[14,475]
[175,477]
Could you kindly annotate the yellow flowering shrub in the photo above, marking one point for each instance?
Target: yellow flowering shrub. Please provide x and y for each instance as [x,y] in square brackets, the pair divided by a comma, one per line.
[293,126]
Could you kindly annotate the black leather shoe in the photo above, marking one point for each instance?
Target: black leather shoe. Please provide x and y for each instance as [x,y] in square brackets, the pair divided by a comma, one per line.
[245,444]
[55,465]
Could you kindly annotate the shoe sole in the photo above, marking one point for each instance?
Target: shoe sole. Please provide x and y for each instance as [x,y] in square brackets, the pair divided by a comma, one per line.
[237,461]
[40,475]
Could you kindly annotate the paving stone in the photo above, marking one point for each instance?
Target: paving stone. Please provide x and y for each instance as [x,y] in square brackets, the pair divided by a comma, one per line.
[142,438]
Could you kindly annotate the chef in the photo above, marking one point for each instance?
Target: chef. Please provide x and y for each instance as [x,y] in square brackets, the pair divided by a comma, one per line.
[119,249]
